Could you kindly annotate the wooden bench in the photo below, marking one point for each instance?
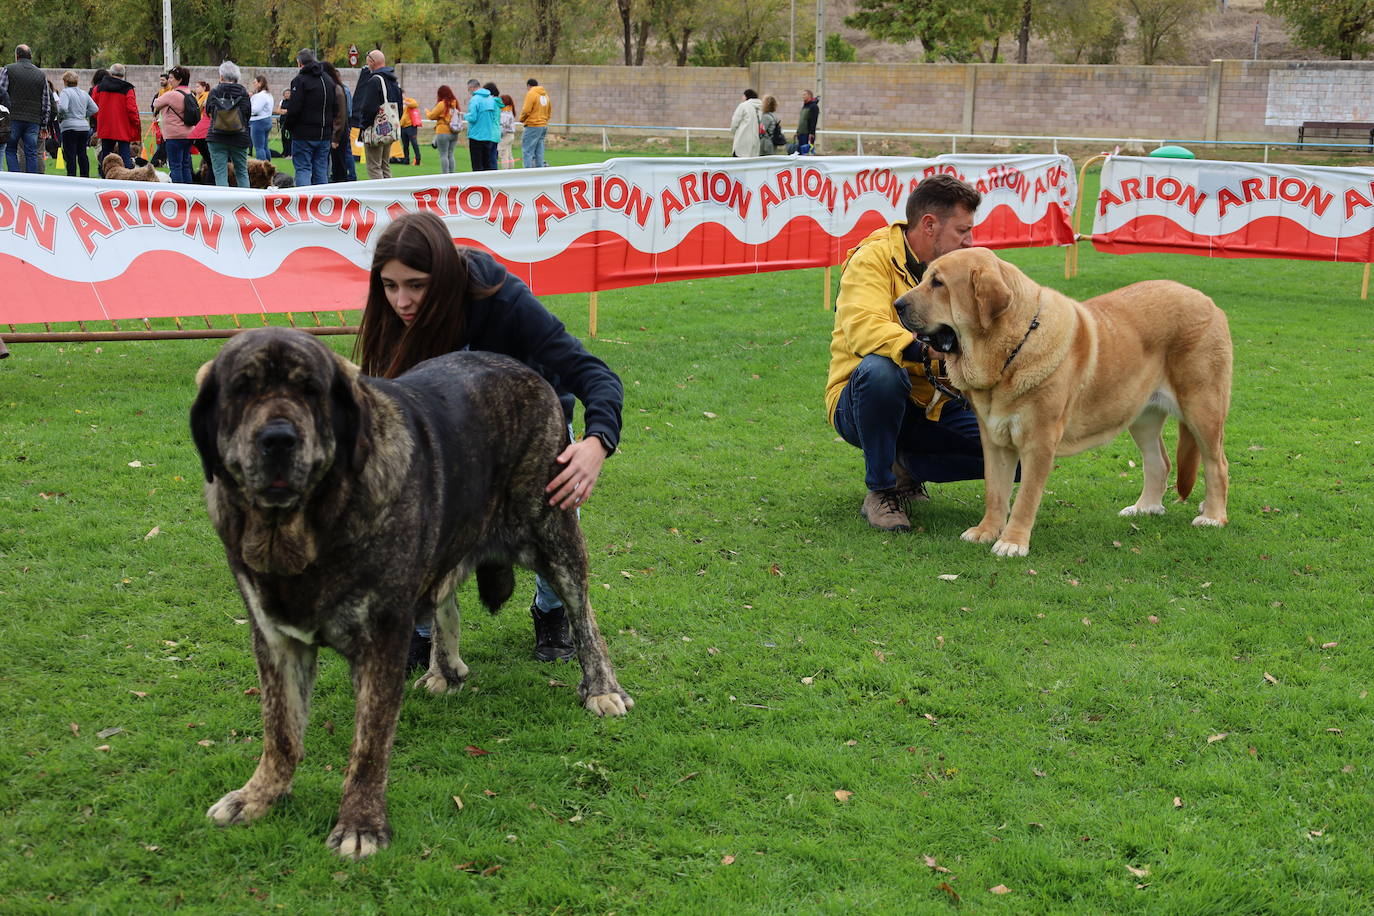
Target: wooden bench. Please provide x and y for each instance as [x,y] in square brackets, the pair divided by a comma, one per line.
[1334,130]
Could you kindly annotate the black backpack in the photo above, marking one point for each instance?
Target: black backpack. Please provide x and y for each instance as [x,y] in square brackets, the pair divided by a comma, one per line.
[190,111]
[4,124]
[779,141]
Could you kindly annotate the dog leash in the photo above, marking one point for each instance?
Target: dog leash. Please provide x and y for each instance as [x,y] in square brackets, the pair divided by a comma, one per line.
[1035,323]
[954,396]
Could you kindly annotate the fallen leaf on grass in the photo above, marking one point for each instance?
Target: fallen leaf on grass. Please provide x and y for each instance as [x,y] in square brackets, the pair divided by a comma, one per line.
[488,872]
[76,729]
[775,570]
[205,742]
[1213,739]
[140,694]
[1139,872]
[1270,678]
[152,534]
[109,732]
[135,463]
[708,415]
[808,681]
[844,795]
[475,751]
[1334,731]
[999,889]
[692,775]
[1178,802]
[103,747]
[935,866]
[1152,618]
[878,654]
[947,577]
[1317,833]
[252,691]
[727,860]
[458,802]
[1330,645]
[944,886]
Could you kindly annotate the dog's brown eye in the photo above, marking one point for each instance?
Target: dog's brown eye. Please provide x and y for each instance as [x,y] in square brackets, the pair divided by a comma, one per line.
[935,283]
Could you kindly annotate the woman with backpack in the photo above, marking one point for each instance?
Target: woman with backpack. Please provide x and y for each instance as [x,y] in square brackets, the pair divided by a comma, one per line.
[771,140]
[447,122]
[173,112]
[229,109]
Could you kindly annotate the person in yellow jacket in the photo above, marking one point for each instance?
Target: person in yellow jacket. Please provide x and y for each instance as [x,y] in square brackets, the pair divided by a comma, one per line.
[878,396]
[534,114]
[444,115]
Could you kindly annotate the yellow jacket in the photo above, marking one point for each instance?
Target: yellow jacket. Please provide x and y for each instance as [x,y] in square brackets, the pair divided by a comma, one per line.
[537,108]
[874,274]
[442,116]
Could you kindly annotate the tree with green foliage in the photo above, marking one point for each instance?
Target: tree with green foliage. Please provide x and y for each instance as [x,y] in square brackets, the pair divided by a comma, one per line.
[1161,25]
[953,30]
[1339,27]
[1083,31]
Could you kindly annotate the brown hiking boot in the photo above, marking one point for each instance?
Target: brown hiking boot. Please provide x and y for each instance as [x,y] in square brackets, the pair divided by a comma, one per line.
[883,510]
[909,490]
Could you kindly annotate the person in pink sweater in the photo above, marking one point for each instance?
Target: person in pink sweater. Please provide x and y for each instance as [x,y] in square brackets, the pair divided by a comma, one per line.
[170,108]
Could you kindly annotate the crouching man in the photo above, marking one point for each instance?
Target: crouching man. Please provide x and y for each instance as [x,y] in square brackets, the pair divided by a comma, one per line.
[879,395]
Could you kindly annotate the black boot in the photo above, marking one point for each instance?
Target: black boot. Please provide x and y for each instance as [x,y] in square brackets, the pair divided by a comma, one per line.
[552,637]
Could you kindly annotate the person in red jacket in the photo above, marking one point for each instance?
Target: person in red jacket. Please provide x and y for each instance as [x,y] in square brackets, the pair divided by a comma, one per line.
[117,124]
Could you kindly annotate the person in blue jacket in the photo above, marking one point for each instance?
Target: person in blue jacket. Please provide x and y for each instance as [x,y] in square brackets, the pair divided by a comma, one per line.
[426,297]
[484,127]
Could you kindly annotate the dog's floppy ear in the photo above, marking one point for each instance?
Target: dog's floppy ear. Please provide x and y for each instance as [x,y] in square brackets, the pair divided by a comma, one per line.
[350,414]
[205,421]
[991,294]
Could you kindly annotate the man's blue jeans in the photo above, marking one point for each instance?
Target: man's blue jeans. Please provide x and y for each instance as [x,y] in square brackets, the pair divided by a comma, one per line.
[311,159]
[532,147]
[876,413]
[27,133]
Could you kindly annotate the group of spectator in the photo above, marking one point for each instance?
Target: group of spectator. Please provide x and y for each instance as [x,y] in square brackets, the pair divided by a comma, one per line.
[227,122]
[755,128]
[490,120]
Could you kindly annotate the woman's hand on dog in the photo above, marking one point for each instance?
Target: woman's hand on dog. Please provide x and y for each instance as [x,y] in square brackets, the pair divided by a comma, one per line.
[576,481]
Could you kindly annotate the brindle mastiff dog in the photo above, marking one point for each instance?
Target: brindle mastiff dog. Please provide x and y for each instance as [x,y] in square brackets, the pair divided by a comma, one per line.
[349,508]
[1048,376]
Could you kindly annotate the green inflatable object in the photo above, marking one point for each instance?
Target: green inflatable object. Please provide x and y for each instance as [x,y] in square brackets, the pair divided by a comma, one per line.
[1173,152]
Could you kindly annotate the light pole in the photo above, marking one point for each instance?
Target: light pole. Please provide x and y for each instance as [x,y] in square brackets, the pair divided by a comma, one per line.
[168,60]
[820,69]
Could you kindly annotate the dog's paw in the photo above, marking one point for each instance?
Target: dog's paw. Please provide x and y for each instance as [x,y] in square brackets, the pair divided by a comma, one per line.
[1010,549]
[1206,521]
[236,808]
[1138,509]
[358,841]
[610,704]
[435,682]
[980,534]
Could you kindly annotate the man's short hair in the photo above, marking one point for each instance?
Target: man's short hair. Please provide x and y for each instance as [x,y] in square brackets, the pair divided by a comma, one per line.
[750,94]
[305,56]
[23,52]
[474,83]
[939,194]
[117,70]
[229,71]
[531,82]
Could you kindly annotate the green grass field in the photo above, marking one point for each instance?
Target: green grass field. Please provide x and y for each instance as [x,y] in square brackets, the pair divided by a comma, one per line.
[1141,716]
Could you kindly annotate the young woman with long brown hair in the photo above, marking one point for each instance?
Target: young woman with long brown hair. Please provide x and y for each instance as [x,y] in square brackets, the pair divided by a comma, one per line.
[426,297]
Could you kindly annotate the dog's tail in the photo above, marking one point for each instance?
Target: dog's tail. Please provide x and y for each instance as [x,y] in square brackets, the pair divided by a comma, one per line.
[495,584]
[1188,459]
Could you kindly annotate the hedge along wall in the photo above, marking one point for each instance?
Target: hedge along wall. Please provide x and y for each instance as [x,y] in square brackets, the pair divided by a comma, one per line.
[1227,100]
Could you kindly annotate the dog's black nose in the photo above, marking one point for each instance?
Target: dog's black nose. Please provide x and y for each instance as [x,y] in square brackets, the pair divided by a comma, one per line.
[899,305]
[277,438]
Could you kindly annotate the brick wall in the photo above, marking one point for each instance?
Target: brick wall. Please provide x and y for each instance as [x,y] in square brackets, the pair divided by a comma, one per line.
[1228,100]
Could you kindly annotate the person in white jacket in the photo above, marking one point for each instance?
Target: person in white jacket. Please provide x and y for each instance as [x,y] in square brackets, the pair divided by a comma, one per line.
[75,108]
[744,126]
[261,106]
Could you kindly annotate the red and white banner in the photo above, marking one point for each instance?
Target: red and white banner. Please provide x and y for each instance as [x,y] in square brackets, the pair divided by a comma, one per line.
[83,249]
[1235,209]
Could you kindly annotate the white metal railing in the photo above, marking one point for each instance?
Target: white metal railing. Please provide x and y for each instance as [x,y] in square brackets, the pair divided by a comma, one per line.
[954,138]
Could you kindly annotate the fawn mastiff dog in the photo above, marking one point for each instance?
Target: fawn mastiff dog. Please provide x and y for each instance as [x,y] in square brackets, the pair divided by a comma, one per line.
[349,508]
[1048,376]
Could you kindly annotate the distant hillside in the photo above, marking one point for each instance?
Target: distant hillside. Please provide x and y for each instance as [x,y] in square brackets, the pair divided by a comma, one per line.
[1225,34]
